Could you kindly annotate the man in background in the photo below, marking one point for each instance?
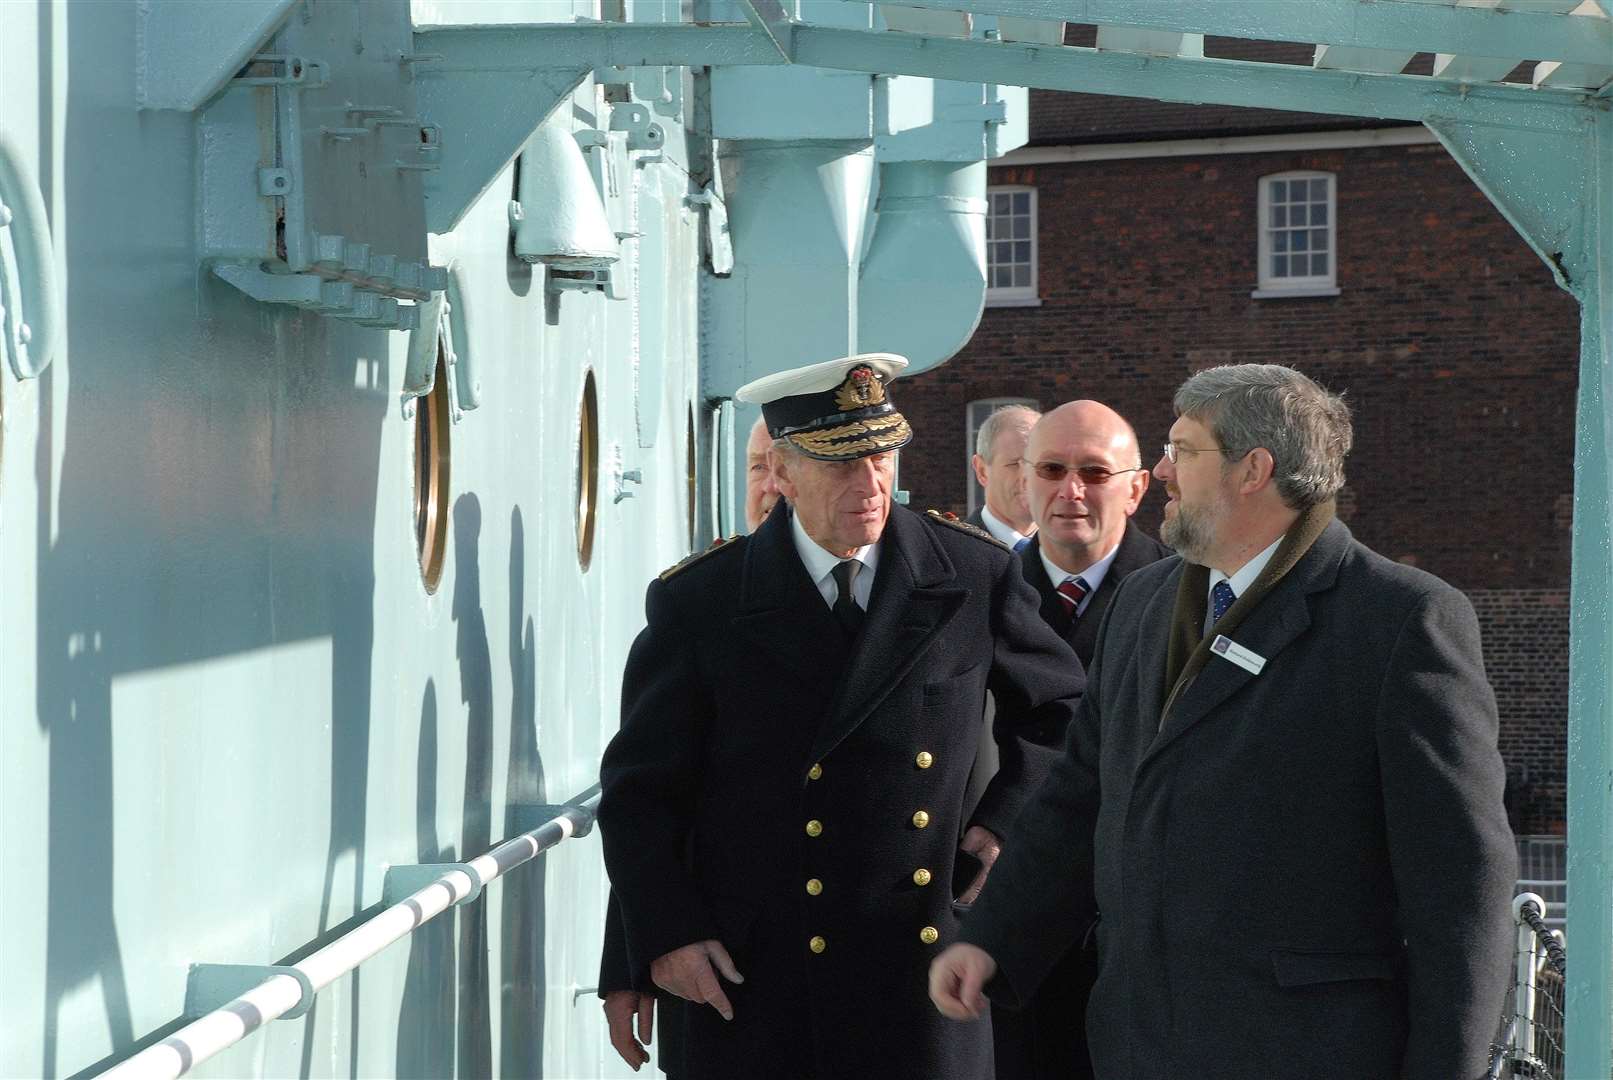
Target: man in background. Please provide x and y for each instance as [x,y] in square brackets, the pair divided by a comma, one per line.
[999,447]
[761,487]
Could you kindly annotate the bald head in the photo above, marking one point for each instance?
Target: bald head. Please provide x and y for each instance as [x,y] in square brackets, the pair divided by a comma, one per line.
[1090,422]
[761,491]
[1081,518]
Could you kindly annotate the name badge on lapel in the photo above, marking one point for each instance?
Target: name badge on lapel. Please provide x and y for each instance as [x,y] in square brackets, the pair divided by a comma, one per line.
[1228,649]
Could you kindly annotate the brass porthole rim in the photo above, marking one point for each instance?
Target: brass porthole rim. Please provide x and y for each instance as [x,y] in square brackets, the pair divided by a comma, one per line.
[587,476]
[432,475]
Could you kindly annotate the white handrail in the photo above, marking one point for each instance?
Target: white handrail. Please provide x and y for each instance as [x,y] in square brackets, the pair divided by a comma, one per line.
[279,994]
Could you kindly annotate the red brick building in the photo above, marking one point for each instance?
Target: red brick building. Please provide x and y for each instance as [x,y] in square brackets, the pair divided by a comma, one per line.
[1163,239]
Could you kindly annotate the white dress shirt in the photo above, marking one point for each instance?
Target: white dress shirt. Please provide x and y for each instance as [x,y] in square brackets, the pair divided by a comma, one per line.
[1239,581]
[1000,529]
[820,566]
[1092,575]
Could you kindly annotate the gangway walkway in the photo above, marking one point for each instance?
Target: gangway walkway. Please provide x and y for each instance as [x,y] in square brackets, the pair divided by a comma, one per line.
[288,991]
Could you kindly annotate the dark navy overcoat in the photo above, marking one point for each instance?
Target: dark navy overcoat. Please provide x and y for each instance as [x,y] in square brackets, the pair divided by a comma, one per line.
[799,797]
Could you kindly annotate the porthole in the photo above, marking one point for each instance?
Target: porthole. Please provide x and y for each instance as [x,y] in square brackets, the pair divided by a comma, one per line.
[691,462]
[587,471]
[431,474]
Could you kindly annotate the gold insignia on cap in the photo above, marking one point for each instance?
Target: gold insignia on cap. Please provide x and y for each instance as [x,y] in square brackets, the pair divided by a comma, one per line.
[883,433]
[860,389]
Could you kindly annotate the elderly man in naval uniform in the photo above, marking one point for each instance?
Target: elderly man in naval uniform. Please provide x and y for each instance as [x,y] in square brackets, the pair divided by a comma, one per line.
[782,806]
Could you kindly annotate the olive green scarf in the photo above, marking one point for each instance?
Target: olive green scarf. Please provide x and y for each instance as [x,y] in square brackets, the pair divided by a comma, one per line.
[1189,649]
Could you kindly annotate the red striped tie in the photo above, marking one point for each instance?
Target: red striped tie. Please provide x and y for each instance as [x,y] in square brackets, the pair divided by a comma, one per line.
[1072,591]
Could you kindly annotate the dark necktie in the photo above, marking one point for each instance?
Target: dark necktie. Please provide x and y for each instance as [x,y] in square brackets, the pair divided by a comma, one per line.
[1072,591]
[846,611]
[1221,598]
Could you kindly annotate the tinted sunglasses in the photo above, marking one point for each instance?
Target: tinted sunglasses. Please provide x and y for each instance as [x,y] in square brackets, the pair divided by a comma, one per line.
[1089,475]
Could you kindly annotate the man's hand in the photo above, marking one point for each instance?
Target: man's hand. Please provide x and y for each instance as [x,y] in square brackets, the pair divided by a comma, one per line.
[983,844]
[687,972]
[957,978]
[620,1007]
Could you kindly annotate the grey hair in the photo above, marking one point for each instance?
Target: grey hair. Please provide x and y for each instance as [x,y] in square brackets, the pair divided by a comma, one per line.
[1305,428]
[994,424]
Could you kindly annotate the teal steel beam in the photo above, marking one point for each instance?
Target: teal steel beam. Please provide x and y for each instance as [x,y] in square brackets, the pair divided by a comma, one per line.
[1189,80]
[1543,182]
[770,18]
[528,47]
[489,87]
[1395,25]
[186,52]
[1590,652]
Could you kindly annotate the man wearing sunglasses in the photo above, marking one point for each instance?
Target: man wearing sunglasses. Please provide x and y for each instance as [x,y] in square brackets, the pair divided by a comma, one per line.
[1084,480]
[1282,788]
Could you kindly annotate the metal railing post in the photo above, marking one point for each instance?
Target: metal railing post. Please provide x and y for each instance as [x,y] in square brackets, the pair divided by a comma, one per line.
[1528,964]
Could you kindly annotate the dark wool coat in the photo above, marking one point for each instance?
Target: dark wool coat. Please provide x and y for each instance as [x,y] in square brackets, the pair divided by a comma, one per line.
[1304,873]
[1045,1040]
[739,691]
[1137,549]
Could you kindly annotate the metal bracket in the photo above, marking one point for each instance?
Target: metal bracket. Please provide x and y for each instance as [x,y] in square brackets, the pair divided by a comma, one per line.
[31,326]
[404,881]
[529,816]
[642,132]
[208,986]
[273,182]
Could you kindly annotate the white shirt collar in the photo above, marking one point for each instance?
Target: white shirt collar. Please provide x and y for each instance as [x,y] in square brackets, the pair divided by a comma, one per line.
[1000,529]
[1245,577]
[1092,575]
[820,565]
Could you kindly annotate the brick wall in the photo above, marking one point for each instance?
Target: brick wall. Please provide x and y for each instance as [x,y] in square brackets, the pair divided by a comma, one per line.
[1457,352]
[1526,657]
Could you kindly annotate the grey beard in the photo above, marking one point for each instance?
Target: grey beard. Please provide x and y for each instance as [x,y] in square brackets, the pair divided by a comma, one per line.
[1190,533]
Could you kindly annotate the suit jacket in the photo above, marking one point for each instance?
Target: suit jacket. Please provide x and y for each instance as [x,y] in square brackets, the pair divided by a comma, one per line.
[1301,873]
[1137,549]
[1035,1042]
[747,716]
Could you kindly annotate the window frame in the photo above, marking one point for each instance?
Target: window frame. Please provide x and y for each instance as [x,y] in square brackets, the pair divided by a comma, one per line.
[1014,295]
[1270,287]
[974,499]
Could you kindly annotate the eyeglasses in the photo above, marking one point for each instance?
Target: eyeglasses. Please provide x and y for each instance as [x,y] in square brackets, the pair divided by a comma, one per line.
[1090,475]
[1173,451]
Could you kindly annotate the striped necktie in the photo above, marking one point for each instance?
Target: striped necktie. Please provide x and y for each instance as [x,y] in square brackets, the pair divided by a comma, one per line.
[1072,590]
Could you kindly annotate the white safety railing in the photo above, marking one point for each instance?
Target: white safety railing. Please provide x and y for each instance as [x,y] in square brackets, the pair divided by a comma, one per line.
[292,987]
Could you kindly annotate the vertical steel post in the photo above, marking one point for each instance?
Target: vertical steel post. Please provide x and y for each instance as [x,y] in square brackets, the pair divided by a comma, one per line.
[1590,708]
